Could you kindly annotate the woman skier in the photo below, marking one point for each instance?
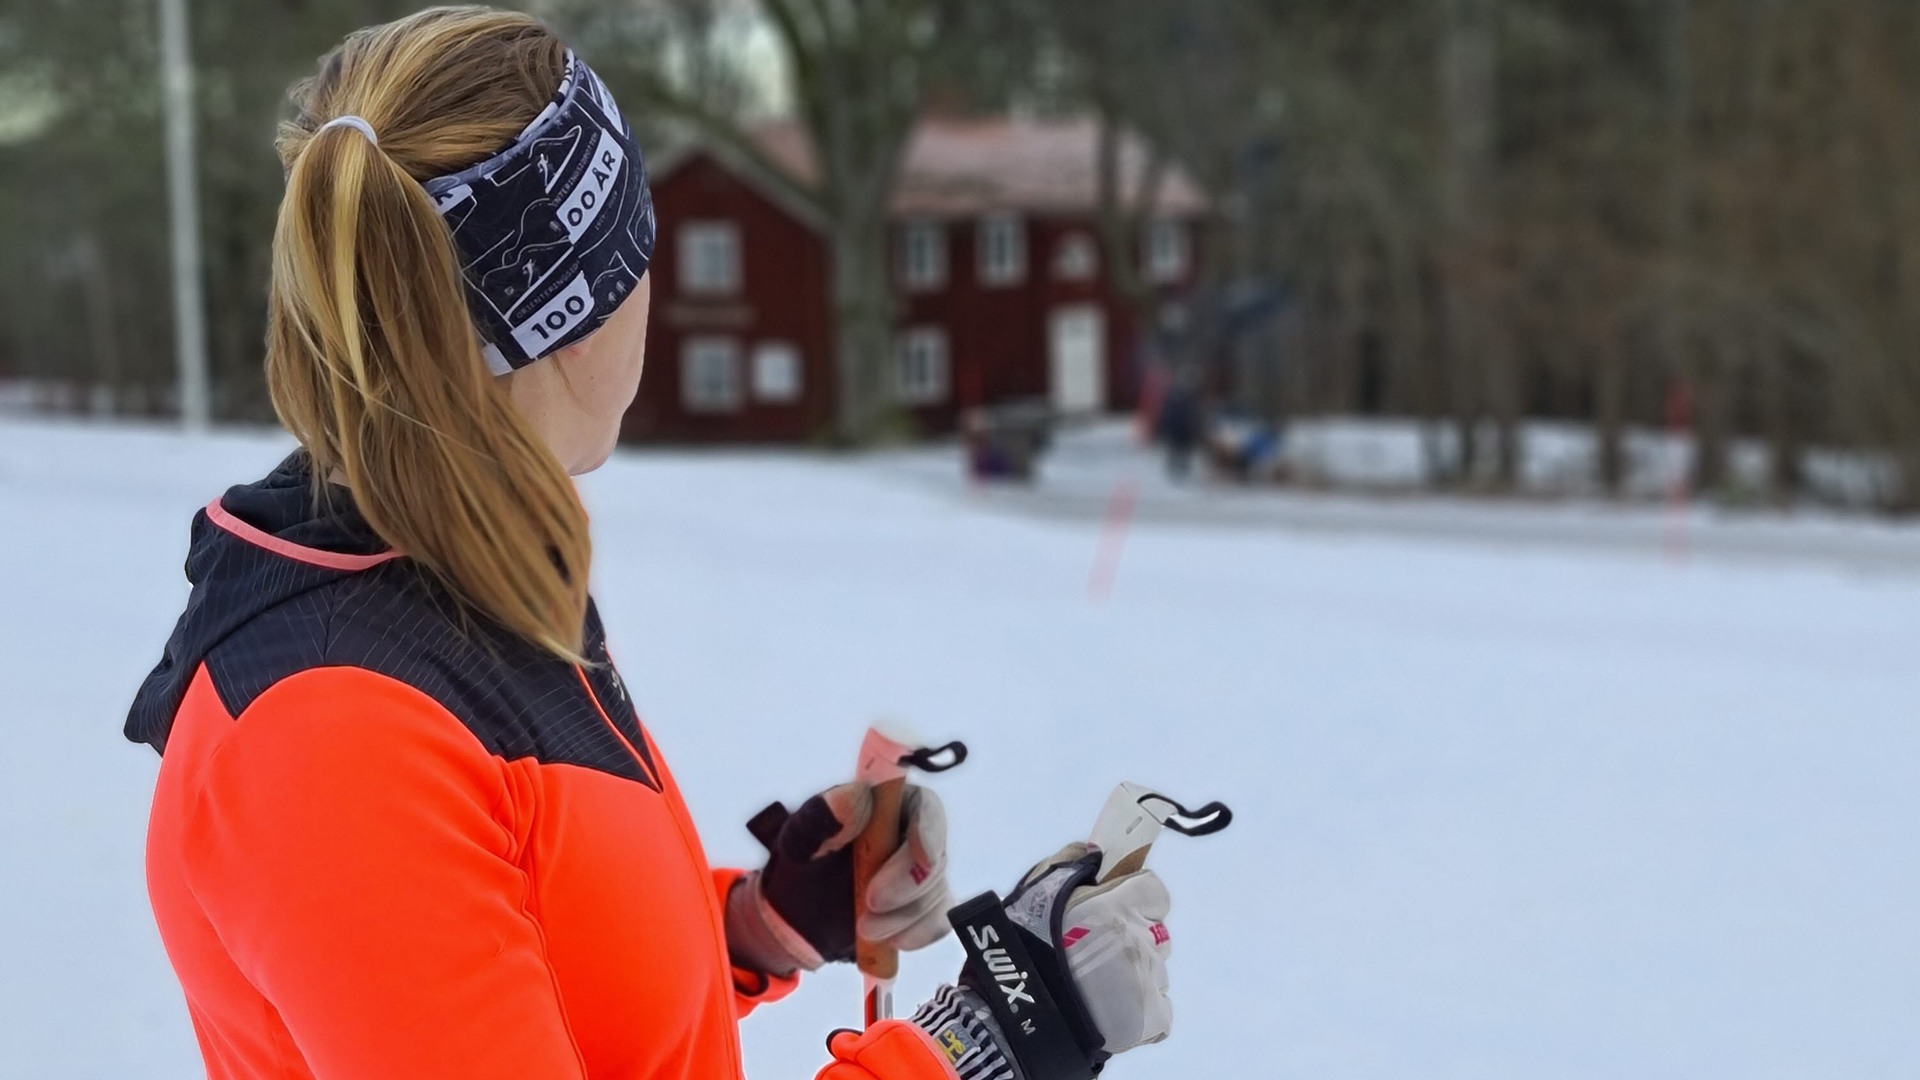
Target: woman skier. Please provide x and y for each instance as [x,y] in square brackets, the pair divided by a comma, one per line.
[407,823]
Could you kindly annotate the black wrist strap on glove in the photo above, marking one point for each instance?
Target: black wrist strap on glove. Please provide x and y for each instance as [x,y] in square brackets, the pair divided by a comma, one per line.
[1029,991]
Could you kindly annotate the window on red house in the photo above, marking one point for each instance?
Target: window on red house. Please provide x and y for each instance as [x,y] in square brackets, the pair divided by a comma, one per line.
[1003,250]
[923,255]
[1168,251]
[921,367]
[709,258]
[776,371]
[710,375]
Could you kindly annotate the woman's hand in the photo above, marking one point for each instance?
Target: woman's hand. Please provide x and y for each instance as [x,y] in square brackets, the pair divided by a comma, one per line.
[799,912]
[1085,980]
[1114,938]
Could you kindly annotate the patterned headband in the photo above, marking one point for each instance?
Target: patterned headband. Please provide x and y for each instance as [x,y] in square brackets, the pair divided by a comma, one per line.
[555,231]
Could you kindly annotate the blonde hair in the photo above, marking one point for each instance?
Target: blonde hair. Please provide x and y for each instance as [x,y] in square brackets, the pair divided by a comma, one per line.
[373,361]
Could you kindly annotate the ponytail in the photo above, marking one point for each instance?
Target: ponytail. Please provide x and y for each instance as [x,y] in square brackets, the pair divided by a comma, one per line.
[373,362]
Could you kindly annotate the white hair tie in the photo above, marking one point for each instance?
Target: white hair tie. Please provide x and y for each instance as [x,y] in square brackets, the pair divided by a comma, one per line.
[354,122]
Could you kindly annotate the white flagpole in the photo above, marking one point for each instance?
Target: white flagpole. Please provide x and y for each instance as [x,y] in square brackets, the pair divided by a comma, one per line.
[190,330]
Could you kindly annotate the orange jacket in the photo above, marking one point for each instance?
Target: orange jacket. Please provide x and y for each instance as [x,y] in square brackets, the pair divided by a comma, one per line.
[387,842]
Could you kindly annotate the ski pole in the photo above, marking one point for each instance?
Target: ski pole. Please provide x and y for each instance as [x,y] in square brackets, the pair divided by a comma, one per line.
[885,756]
[1133,819]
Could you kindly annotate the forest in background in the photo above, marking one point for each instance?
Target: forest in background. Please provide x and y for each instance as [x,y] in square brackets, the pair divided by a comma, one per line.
[1476,211]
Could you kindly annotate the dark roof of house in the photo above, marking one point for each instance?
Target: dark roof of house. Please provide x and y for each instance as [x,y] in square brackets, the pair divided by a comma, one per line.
[957,168]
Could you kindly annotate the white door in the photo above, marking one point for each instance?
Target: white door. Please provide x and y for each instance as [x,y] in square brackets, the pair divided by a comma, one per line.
[1077,349]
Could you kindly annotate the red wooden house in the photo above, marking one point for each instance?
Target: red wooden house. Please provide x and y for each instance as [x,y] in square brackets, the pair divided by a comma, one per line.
[997,262]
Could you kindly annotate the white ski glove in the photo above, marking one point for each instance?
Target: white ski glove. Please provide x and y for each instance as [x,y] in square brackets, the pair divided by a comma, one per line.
[1116,942]
[1060,978]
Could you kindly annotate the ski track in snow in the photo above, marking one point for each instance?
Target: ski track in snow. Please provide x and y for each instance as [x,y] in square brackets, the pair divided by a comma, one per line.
[1503,813]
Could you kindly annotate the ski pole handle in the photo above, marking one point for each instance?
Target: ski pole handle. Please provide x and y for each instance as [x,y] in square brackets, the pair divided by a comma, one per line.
[885,756]
[870,849]
[1124,833]
[881,766]
[1133,819]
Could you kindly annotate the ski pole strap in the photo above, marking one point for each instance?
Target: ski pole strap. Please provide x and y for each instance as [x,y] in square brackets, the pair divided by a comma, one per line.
[1003,973]
[1205,821]
[936,759]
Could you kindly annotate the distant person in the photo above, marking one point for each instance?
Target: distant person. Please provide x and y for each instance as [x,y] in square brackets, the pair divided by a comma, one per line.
[1180,427]
[407,823]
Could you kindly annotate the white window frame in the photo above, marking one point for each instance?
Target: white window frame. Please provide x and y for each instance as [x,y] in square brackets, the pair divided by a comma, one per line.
[1002,240]
[923,367]
[923,256]
[777,373]
[722,353]
[1067,263]
[1169,250]
[710,258]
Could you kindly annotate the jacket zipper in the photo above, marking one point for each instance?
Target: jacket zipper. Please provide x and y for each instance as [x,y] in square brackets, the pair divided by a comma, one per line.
[607,718]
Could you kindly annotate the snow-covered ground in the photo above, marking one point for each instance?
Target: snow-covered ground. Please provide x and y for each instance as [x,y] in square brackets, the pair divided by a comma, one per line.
[1536,809]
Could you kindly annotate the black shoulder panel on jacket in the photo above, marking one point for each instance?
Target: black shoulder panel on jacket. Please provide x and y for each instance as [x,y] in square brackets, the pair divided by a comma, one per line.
[288,576]
[518,700]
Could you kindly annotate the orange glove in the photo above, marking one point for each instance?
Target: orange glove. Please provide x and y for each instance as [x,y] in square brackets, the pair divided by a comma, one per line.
[890,1050]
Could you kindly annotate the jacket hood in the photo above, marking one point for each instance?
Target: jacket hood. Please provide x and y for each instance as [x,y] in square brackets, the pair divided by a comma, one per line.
[254,548]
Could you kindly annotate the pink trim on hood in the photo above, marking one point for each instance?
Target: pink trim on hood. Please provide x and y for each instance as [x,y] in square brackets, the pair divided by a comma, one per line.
[332,560]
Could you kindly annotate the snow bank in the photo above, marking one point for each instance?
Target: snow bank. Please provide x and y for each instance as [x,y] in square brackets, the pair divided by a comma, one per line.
[1556,459]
